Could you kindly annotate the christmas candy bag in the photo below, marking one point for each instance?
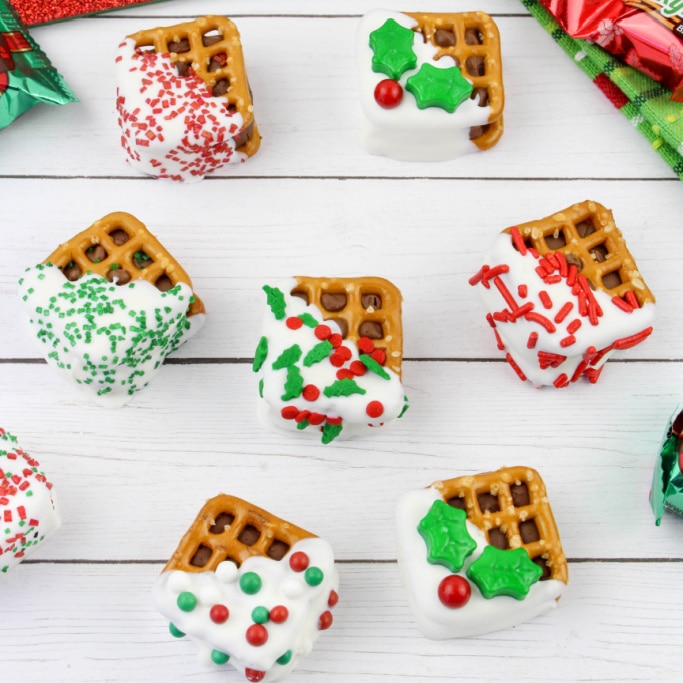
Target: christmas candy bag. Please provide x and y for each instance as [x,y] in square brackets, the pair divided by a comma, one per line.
[667,483]
[34,12]
[27,77]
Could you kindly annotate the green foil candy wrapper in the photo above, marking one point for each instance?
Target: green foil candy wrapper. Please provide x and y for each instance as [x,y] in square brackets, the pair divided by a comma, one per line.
[667,483]
[27,77]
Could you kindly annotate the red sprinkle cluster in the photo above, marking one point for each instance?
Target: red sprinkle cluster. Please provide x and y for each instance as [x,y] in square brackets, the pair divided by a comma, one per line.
[206,141]
[554,268]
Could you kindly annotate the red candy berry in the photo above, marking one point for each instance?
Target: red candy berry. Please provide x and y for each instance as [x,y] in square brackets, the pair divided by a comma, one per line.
[298,562]
[279,614]
[379,356]
[358,368]
[325,620]
[454,591]
[316,419]
[322,332]
[388,93]
[344,373]
[310,392]
[337,359]
[257,635]
[302,416]
[254,675]
[333,599]
[289,412]
[336,340]
[219,614]
[366,345]
[294,323]
[374,409]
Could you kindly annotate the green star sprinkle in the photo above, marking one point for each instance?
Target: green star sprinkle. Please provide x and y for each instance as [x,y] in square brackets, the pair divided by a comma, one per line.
[445,533]
[504,572]
[392,47]
[435,87]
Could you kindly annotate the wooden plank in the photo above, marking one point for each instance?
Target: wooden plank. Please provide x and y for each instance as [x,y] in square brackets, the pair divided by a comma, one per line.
[74,622]
[428,237]
[143,471]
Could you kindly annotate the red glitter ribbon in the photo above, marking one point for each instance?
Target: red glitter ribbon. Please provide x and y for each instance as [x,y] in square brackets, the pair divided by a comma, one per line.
[34,12]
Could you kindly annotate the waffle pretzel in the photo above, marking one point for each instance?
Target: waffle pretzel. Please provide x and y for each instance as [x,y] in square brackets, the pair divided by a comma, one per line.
[511,508]
[211,46]
[588,237]
[476,50]
[120,248]
[363,307]
[229,528]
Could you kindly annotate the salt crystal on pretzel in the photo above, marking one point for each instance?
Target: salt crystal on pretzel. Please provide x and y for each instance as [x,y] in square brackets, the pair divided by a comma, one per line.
[563,293]
[480,553]
[251,589]
[329,359]
[431,85]
[183,99]
[27,505]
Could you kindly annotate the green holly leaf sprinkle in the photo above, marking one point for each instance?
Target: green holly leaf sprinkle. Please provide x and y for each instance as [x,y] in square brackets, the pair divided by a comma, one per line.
[372,365]
[308,320]
[504,572]
[445,533]
[276,300]
[330,433]
[343,387]
[435,87]
[318,353]
[288,357]
[406,405]
[392,47]
[260,354]
[294,383]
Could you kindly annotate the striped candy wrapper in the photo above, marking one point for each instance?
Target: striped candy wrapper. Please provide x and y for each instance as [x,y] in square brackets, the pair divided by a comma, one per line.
[643,101]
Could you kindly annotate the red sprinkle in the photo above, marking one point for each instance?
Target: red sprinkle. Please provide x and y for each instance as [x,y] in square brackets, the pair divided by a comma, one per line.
[299,561]
[322,332]
[294,323]
[325,620]
[219,614]
[310,392]
[522,291]
[316,419]
[518,240]
[374,409]
[545,299]
[333,599]
[515,367]
[379,356]
[358,368]
[253,675]
[561,381]
[531,341]
[532,316]
[564,311]
[257,635]
[623,305]
[366,345]
[567,341]
[289,412]
[279,614]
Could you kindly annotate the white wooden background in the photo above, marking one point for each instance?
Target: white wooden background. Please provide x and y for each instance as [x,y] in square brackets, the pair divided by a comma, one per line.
[312,202]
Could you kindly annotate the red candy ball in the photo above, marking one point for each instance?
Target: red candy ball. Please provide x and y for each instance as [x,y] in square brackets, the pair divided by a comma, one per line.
[257,635]
[294,323]
[374,409]
[310,392]
[388,93]
[325,620]
[454,591]
[219,614]
[279,614]
[299,562]
[254,675]
[333,599]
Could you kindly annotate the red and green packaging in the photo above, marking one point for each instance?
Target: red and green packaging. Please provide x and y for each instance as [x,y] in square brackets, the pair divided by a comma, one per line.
[34,12]
[667,482]
[27,77]
[645,34]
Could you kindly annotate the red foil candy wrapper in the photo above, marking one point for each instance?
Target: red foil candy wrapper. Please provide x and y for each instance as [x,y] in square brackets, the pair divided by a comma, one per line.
[34,12]
[644,34]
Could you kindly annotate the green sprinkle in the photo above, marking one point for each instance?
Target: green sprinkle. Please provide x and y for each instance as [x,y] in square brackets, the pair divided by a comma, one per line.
[250,583]
[288,357]
[218,657]
[318,353]
[285,658]
[276,300]
[175,631]
[371,364]
[343,387]
[260,614]
[187,601]
[314,576]
[308,320]
[260,354]
[330,433]
[294,383]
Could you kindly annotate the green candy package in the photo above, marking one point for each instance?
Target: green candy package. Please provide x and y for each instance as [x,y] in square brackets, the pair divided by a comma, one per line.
[27,77]
[667,483]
